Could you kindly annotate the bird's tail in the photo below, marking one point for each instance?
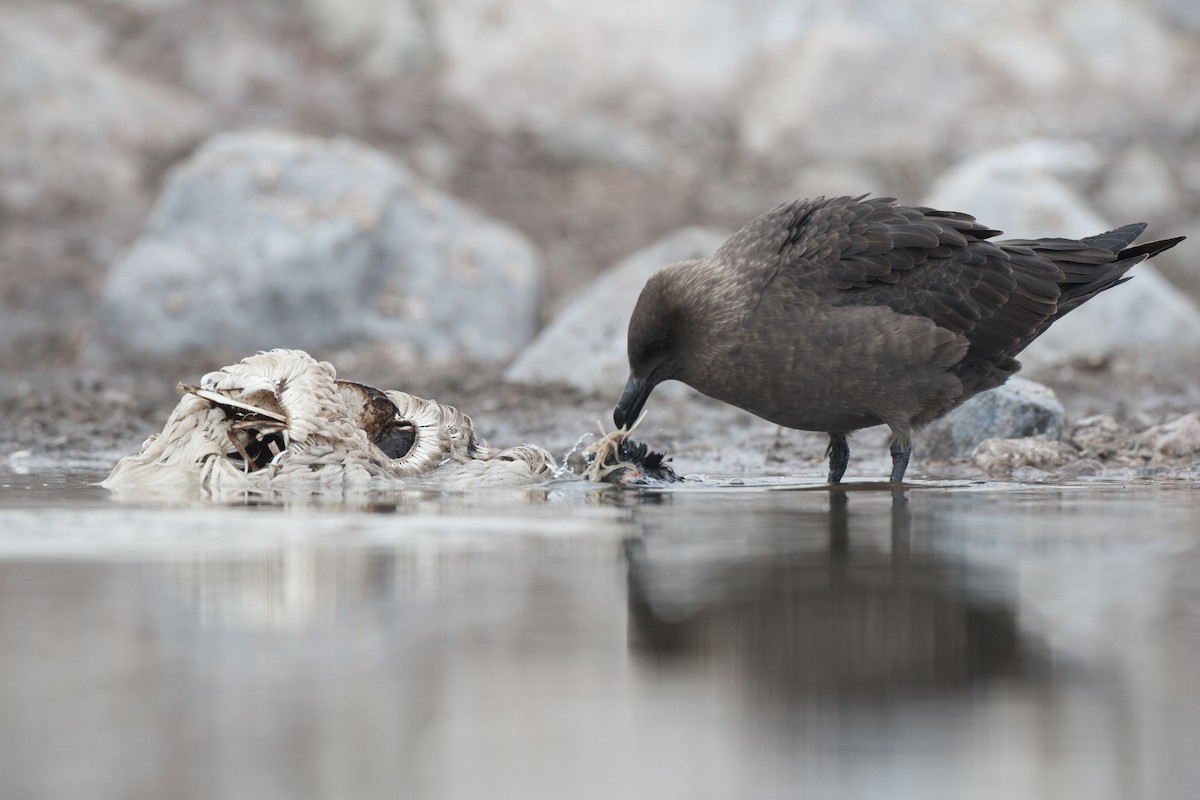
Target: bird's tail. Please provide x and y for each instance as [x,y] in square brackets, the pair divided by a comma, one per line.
[1101,263]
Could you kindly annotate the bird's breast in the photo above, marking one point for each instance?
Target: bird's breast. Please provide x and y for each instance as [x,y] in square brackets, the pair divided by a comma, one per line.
[832,369]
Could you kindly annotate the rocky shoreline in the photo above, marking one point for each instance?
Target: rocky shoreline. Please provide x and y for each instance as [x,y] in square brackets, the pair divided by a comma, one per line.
[464,199]
[1127,429]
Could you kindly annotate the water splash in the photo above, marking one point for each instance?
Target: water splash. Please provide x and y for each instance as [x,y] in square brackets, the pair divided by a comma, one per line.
[563,470]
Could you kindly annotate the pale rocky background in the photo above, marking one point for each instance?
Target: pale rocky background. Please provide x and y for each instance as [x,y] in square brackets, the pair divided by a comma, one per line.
[424,192]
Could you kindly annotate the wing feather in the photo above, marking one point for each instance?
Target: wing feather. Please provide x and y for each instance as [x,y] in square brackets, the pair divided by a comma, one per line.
[937,264]
[919,261]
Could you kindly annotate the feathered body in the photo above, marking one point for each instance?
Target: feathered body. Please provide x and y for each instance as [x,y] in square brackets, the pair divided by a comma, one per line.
[280,422]
[839,314]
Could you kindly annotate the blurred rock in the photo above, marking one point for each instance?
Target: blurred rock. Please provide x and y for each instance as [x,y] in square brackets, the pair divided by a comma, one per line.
[265,239]
[82,142]
[1099,436]
[79,134]
[1083,468]
[593,142]
[872,80]
[1183,14]
[1027,56]
[839,92]
[1022,188]
[594,127]
[1139,186]
[226,62]
[1118,47]
[999,457]
[1018,409]
[1016,190]
[1180,264]
[584,346]
[382,36]
[831,179]
[139,7]
[551,65]
[988,73]
[1177,438]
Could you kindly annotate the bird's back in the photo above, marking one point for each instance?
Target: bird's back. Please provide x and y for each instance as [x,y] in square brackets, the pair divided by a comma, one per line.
[941,266]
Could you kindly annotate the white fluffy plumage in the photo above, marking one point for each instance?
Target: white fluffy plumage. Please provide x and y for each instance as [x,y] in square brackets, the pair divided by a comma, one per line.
[282,421]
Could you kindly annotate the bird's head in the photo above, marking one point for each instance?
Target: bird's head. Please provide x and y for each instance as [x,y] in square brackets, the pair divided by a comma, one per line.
[660,331]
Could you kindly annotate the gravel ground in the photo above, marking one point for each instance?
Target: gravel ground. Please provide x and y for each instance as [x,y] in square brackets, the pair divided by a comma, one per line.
[72,417]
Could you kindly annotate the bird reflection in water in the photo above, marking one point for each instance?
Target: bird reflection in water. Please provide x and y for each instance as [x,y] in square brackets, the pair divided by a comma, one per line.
[822,614]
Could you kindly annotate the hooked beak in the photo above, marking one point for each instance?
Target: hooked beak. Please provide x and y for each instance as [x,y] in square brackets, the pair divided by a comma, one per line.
[629,407]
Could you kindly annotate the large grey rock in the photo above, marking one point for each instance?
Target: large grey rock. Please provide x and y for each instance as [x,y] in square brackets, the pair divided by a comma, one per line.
[584,346]
[265,239]
[1020,190]
[1018,409]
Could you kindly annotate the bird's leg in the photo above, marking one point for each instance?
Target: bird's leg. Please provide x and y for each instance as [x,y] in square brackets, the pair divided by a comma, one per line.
[838,453]
[901,449]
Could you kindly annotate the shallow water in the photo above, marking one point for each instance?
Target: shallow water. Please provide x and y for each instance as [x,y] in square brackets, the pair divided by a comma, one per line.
[977,640]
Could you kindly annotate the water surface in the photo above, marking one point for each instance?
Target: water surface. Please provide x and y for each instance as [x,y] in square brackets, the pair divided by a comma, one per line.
[976,640]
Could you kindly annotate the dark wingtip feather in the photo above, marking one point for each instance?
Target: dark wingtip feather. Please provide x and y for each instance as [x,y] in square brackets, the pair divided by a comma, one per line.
[1150,249]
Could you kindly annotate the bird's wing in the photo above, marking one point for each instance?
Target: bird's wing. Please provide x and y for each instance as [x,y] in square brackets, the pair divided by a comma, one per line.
[918,261]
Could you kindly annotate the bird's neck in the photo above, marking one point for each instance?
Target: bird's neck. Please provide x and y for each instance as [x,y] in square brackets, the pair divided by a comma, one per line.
[719,297]
[717,311]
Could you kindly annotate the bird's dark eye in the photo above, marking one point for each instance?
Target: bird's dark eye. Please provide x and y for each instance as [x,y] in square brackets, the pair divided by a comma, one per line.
[656,348]
[395,438]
